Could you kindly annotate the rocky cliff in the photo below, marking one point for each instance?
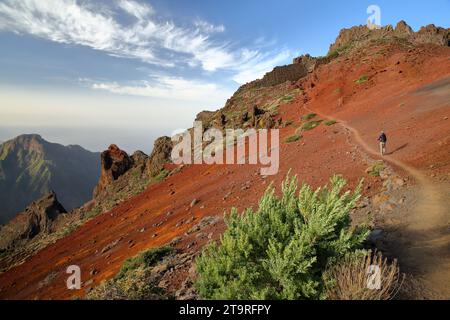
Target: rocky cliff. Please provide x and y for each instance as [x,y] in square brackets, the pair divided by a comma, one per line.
[359,35]
[114,163]
[160,155]
[38,218]
[123,176]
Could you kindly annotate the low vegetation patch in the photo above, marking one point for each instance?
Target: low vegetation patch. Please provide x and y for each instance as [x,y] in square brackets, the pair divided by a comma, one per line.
[135,281]
[341,50]
[375,169]
[311,125]
[287,123]
[293,138]
[362,79]
[287,99]
[143,260]
[161,176]
[309,116]
[283,249]
[330,122]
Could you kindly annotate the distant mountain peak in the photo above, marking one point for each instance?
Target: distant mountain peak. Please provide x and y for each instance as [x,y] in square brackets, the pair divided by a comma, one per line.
[30,167]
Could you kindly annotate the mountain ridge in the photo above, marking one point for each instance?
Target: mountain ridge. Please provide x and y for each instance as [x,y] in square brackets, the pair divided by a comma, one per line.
[30,167]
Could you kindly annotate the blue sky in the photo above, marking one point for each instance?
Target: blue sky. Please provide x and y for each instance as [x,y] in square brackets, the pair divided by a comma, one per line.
[123,71]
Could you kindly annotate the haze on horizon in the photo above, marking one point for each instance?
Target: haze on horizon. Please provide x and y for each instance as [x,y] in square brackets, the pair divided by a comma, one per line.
[127,71]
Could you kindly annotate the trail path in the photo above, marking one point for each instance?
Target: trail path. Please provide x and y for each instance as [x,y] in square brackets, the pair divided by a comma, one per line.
[426,237]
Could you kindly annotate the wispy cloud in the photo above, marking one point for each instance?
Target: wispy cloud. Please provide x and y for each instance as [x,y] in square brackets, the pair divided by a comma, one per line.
[136,9]
[207,27]
[162,43]
[163,87]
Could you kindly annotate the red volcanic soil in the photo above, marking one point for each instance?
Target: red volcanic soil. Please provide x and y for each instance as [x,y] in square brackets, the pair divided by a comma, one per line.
[406,94]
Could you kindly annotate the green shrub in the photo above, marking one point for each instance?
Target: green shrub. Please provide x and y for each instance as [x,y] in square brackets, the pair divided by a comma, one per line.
[282,250]
[341,50]
[333,54]
[293,138]
[287,98]
[308,116]
[68,229]
[375,169]
[141,284]
[136,279]
[330,122]
[311,125]
[161,176]
[143,259]
[362,79]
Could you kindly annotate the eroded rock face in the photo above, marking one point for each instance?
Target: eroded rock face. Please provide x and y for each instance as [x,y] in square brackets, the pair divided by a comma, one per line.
[204,116]
[161,155]
[433,34]
[139,158]
[429,34]
[308,61]
[38,218]
[114,163]
[282,74]
[403,28]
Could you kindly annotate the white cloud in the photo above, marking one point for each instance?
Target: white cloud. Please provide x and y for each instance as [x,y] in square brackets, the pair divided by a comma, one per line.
[169,87]
[209,27]
[67,21]
[161,43]
[136,9]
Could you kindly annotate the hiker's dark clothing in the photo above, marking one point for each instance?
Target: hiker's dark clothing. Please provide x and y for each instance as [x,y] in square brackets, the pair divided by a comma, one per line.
[382,138]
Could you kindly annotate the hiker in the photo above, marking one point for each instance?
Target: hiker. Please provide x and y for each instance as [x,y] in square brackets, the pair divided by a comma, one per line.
[382,139]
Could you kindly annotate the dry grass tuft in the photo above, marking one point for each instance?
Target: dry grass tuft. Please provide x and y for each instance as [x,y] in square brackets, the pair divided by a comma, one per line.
[350,278]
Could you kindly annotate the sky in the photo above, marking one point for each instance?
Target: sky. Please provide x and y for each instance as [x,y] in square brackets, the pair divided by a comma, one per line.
[127,71]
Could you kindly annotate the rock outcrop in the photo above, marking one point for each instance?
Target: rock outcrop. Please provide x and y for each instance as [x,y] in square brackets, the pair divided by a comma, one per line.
[114,163]
[204,116]
[161,155]
[359,34]
[278,75]
[433,34]
[404,29]
[38,218]
[139,158]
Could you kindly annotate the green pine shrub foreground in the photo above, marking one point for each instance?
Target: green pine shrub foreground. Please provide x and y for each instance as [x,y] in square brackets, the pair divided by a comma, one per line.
[284,249]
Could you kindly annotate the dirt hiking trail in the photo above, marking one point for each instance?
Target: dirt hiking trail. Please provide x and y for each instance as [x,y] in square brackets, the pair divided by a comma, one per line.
[426,240]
